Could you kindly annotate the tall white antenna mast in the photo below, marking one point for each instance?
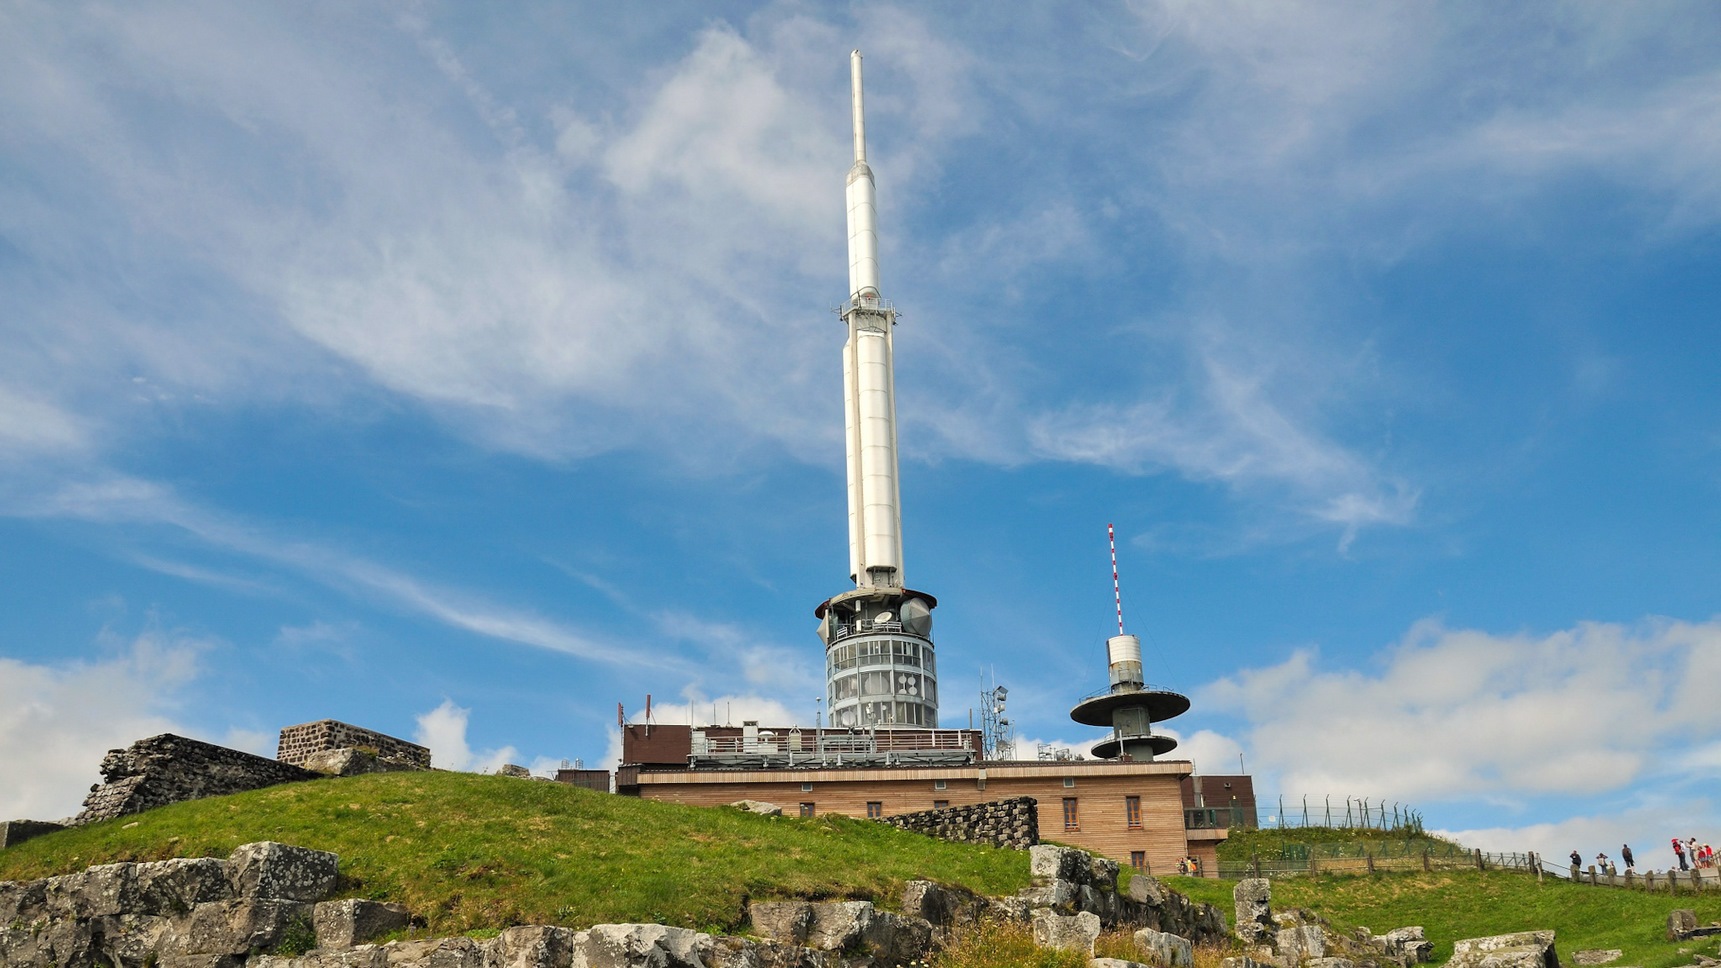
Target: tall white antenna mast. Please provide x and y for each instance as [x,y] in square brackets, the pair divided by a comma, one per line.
[1116,589]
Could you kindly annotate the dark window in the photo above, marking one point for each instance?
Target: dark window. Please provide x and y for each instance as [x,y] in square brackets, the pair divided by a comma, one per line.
[806,809]
[874,809]
[1132,811]
[1071,819]
[940,804]
[1138,859]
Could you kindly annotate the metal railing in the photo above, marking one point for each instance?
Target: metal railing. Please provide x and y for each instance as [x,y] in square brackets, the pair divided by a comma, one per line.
[1350,813]
[1381,856]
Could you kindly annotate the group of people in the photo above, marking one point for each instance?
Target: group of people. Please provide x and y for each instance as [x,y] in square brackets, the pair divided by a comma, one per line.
[1690,853]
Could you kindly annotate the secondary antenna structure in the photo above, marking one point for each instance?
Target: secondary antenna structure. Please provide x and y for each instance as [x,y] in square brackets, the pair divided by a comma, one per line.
[880,669]
[1131,706]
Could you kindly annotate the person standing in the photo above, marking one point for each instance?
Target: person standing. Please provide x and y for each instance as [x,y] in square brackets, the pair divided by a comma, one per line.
[1577,859]
[1679,852]
[1625,855]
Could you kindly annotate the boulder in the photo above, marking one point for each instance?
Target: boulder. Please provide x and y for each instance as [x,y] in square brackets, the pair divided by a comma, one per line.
[1047,862]
[1524,949]
[1165,950]
[1243,961]
[941,906]
[1115,963]
[1329,963]
[1680,923]
[1075,932]
[1253,897]
[632,945]
[1592,958]
[343,924]
[759,807]
[434,953]
[531,947]
[280,872]
[1410,945]
[171,888]
[1298,943]
[781,920]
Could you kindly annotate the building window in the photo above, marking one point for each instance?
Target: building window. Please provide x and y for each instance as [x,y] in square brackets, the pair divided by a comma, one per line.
[940,804]
[1132,812]
[1069,781]
[806,788]
[1071,820]
[1138,860]
[806,809]
[874,809]
[938,784]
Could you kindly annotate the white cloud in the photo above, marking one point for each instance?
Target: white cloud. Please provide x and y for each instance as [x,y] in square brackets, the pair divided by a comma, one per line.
[1465,714]
[29,425]
[443,731]
[1647,828]
[58,720]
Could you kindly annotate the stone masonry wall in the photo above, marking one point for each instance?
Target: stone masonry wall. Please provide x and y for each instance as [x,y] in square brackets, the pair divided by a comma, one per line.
[168,769]
[1001,823]
[299,742]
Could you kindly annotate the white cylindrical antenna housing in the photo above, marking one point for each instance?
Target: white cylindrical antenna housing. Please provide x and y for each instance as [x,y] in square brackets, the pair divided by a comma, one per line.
[1123,656]
[863,209]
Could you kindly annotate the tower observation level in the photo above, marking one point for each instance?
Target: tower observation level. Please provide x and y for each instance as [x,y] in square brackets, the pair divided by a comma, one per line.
[880,669]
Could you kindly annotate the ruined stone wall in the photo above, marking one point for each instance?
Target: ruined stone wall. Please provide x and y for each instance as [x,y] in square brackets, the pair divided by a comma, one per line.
[166,769]
[1001,823]
[299,743]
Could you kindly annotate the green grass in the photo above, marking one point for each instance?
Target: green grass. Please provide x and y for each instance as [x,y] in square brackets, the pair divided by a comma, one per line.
[1242,844]
[469,852]
[1451,905]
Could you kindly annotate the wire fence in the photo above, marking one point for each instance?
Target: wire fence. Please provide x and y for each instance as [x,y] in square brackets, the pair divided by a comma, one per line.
[1355,813]
[1375,857]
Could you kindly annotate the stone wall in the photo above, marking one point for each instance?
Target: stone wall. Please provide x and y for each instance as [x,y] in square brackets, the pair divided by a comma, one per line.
[17,831]
[1001,823]
[166,769]
[299,743]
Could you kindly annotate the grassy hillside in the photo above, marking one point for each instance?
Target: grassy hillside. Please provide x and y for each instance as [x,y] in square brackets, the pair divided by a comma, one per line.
[472,852]
[1269,843]
[1467,904]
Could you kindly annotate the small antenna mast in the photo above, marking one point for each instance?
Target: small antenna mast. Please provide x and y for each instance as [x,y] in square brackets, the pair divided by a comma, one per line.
[1116,589]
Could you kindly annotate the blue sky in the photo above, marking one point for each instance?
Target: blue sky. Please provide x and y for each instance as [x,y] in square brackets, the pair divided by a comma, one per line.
[461,372]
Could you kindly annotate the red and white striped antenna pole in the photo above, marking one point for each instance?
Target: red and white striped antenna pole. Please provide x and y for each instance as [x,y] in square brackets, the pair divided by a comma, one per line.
[1116,590]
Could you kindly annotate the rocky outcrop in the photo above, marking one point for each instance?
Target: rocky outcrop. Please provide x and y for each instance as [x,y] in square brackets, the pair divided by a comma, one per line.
[1524,949]
[1296,938]
[166,769]
[1149,904]
[267,905]
[1001,823]
[352,762]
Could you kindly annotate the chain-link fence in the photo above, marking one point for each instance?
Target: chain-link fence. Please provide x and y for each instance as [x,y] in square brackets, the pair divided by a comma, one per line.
[1344,813]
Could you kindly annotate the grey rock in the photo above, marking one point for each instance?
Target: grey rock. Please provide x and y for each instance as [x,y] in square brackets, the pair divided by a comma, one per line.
[1600,957]
[759,807]
[22,900]
[15,832]
[278,871]
[781,920]
[941,906]
[1680,923]
[200,961]
[1165,950]
[1076,932]
[434,953]
[838,925]
[1330,963]
[640,946]
[1047,862]
[1297,944]
[532,947]
[343,924]
[1057,894]
[1115,963]
[236,927]
[1253,897]
[1409,944]
[171,888]
[351,761]
[1243,961]
[130,940]
[1524,949]
[359,956]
